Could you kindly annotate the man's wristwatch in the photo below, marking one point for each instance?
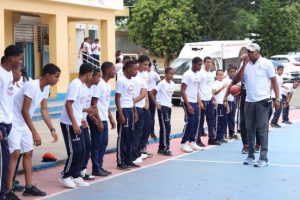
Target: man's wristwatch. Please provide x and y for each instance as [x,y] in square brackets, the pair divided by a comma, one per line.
[52,130]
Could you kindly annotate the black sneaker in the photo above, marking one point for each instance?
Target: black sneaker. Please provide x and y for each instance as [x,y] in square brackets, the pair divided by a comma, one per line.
[287,122]
[106,171]
[122,166]
[200,143]
[100,173]
[204,134]
[214,142]
[167,153]
[33,191]
[132,165]
[11,196]
[160,151]
[153,136]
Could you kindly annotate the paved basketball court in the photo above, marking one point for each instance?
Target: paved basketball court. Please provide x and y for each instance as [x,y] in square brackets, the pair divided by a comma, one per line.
[216,173]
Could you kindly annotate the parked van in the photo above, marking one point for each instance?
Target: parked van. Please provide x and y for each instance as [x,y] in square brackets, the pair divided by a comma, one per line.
[222,53]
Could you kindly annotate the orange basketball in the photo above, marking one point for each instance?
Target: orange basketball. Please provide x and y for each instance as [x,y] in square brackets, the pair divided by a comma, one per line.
[235,90]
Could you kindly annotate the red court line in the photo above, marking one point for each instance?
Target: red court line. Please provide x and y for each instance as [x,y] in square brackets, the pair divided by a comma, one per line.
[47,180]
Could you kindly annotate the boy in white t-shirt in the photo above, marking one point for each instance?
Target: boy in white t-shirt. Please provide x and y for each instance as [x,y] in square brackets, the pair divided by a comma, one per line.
[126,115]
[32,94]
[153,81]
[161,95]
[219,90]
[88,91]
[96,52]
[287,94]
[274,121]
[101,99]
[70,122]
[191,103]
[11,60]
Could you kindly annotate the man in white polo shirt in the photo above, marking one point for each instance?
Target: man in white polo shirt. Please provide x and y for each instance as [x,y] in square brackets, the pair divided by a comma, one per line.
[259,76]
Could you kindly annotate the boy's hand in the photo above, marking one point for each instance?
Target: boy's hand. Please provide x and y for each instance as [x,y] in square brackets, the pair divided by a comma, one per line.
[113,124]
[55,136]
[121,118]
[37,141]
[1,135]
[76,129]
[100,127]
[158,106]
[190,109]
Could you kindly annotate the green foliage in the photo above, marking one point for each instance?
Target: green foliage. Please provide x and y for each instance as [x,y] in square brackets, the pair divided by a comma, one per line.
[245,24]
[163,26]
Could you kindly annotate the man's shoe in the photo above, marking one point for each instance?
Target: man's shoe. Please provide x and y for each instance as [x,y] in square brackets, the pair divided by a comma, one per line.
[80,182]
[160,151]
[273,125]
[186,147]
[195,147]
[17,187]
[11,196]
[145,151]
[86,176]
[248,161]
[132,165]
[122,167]
[245,150]
[287,122]
[34,191]
[261,163]
[200,143]
[167,152]
[106,171]
[204,134]
[138,160]
[67,182]
[153,136]
[214,142]
[143,156]
[100,173]
[278,126]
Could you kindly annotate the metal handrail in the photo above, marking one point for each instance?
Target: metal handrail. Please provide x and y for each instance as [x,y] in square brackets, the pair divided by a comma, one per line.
[75,60]
[89,59]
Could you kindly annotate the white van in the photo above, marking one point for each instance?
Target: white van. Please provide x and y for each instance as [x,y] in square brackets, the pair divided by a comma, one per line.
[223,53]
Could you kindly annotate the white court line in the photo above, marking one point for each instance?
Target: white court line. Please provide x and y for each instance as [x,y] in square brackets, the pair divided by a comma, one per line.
[232,162]
[123,173]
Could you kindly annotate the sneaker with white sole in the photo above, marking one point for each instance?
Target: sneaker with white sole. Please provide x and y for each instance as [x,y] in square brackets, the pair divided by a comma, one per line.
[86,176]
[67,182]
[195,147]
[80,182]
[138,160]
[144,156]
[261,163]
[248,161]
[186,147]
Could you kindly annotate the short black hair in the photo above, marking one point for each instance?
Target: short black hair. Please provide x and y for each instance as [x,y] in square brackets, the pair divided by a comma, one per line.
[50,68]
[126,58]
[2,59]
[128,64]
[96,40]
[96,70]
[143,58]
[231,67]
[196,60]
[219,70]
[168,69]
[105,66]
[207,58]
[118,60]
[280,67]
[85,68]
[12,50]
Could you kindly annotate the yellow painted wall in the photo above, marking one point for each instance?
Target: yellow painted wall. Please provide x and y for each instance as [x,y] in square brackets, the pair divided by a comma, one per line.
[59,17]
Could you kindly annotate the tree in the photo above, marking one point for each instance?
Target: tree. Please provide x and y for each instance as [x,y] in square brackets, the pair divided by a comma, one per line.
[163,26]
[244,24]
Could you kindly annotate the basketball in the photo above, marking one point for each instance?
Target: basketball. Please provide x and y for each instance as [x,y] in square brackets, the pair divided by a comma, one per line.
[235,90]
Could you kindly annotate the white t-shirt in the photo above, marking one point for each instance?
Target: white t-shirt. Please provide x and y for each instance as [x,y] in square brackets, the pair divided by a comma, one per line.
[258,79]
[206,85]
[140,82]
[120,73]
[218,85]
[191,80]
[287,88]
[96,51]
[125,87]
[75,93]
[119,67]
[153,79]
[164,94]
[6,96]
[87,94]
[227,81]
[102,92]
[32,90]
[87,48]
[279,82]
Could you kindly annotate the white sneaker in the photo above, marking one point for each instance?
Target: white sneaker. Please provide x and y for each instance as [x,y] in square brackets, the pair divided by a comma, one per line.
[67,182]
[80,183]
[144,156]
[195,147]
[86,176]
[138,160]
[186,147]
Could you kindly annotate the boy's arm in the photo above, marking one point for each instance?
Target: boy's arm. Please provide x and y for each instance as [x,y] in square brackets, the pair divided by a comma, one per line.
[47,119]
[96,117]
[185,99]
[119,108]
[70,113]
[152,95]
[25,113]
[142,95]
[111,119]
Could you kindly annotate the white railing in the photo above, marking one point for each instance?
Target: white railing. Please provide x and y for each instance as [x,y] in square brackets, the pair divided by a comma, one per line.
[75,60]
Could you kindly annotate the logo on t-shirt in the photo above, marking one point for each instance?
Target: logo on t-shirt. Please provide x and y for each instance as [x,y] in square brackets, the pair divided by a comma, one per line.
[130,89]
[170,91]
[196,81]
[10,89]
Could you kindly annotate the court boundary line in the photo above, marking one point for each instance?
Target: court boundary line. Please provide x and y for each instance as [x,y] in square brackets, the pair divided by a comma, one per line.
[124,173]
[232,162]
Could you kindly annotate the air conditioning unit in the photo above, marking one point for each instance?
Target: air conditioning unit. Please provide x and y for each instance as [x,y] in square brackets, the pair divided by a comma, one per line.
[27,19]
